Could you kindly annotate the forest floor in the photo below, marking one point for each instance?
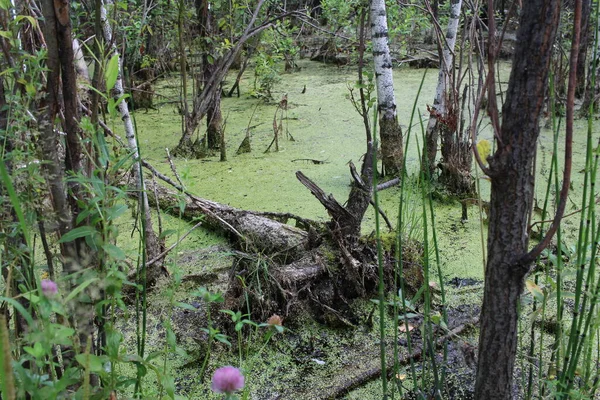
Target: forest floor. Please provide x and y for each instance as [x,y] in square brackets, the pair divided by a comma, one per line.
[312,361]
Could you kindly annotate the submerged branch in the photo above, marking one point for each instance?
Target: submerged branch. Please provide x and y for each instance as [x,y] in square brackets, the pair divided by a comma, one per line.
[376,372]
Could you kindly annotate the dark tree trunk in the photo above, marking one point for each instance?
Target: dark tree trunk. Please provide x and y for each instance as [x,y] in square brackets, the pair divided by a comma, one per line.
[586,6]
[213,112]
[60,60]
[213,85]
[214,119]
[457,160]
[511,171]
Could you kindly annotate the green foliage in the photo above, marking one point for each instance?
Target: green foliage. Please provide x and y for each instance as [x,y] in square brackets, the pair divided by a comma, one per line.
[338,13]
[266,74]
[407,23]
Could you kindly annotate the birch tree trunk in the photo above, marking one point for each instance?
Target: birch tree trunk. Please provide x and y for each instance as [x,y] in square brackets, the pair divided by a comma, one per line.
[390,131]
[152,244]
[439,110]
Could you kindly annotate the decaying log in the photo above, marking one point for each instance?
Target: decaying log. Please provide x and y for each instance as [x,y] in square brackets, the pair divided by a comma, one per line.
[281,268]
[335,209]
[252,231]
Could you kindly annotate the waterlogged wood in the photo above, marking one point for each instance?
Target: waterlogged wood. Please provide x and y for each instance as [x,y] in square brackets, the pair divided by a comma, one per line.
[366,370]
[252,231]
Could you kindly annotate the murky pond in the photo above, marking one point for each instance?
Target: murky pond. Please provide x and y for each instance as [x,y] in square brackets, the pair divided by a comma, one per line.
[325,127]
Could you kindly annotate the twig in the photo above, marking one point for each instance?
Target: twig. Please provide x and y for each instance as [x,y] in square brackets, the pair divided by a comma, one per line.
[564,216]
[173,168]
[388,184]
[311,160]
[164,253]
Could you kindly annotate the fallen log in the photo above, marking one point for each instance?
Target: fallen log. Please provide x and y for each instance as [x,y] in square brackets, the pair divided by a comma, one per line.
[281,268]
[251,231]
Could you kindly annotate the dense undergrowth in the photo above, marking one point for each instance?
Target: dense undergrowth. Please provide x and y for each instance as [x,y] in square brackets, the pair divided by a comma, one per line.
[169,341]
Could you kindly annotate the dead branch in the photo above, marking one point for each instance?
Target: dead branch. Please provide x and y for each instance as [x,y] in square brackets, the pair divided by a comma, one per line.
[374,373]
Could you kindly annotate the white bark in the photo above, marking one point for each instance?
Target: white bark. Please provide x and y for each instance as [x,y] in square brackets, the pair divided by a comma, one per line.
[389,129]
[118,92]
[80,64]
[447,62]
[444,84]
[382,61]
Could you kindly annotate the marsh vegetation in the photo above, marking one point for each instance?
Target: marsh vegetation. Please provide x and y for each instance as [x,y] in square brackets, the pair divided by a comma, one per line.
[299,199]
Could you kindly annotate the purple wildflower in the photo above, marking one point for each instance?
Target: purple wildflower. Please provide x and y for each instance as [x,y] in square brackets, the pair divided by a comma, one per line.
[49,288]
[227,380]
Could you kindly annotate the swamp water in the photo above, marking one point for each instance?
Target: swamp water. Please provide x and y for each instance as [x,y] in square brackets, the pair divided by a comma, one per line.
[309,360]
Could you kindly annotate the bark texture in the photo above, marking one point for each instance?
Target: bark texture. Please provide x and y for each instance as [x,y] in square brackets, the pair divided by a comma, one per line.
[593,88]
[390,131]
[152,245]
[586,8]
[214,118]
[511,171]
[61,95]
[445,88]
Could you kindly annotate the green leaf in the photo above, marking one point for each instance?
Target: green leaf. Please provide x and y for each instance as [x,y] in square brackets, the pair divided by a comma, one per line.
[168,232]
[168,383]
[229,312]
[94,362]
[14,199]
[114,251]
[133,358]
[223,339]
[34,299]
[115,211]
[127,382]
[79,289]
[76,233]
[62,334]
[153,355]
[30,89]
[29,19]
[408,316]
[18,307]
[5,4]
[171,339]
[186,306]
[534,290]
[6,34]
[36,351]
[112,72]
